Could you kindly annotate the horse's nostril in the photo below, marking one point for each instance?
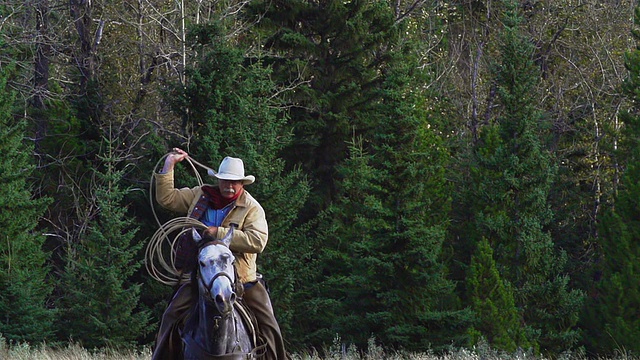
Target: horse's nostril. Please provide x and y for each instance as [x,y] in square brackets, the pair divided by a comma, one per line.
[219,299]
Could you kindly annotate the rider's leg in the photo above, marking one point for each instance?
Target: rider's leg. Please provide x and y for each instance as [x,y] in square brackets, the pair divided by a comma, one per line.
[168,341]
[257,299]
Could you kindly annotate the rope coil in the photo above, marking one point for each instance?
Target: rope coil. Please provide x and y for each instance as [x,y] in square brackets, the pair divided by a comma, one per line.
[161,249]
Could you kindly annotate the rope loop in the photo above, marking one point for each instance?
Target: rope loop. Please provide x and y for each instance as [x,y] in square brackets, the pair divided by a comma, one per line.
[161,249]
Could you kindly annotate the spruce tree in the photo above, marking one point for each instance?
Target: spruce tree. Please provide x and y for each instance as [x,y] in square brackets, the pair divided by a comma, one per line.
[25,315]
[360,138]
[613,315]
[497,320]
[380,242]
[506,202]
[335,53]
[100,306]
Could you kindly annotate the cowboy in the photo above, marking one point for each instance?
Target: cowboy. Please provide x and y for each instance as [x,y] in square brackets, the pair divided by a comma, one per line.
[218,207]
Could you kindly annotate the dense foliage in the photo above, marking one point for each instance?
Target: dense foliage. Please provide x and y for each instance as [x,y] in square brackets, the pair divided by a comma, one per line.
[101,304]
[619,229]
[434,174]
[26,289]
[511,173]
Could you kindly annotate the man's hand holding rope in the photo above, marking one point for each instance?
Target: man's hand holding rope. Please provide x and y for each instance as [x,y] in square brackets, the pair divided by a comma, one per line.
[174,157]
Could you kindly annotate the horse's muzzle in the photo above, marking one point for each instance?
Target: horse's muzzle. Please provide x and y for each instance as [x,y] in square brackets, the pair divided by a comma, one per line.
[224,304]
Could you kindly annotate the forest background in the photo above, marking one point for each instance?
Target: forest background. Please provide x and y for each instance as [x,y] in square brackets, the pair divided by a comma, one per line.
[434,173]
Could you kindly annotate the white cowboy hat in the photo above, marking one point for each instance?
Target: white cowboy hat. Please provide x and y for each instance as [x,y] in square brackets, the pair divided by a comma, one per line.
[232,169]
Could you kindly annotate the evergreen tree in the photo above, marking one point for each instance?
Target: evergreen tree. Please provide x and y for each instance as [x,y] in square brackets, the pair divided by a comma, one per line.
[613,315]
[492,300]
[380,242]
[507,199]
[337,53]
[100,305]
[24,312]
[357,83]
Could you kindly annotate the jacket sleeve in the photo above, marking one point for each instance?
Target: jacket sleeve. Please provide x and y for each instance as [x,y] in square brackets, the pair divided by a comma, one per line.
[253,232]
[178,200]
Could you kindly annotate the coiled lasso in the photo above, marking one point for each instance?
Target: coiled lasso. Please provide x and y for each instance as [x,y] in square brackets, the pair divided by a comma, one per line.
[161,249]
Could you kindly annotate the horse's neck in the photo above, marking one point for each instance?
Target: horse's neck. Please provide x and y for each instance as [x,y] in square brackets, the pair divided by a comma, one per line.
[220,338]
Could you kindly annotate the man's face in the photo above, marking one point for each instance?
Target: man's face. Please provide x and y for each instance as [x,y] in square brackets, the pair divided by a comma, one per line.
[229,188]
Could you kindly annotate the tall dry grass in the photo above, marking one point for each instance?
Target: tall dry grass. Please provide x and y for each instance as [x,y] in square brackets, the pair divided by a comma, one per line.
[335,352]
[71,352]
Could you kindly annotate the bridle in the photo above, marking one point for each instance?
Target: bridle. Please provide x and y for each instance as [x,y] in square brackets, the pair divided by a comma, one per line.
[210,285]
[225,274]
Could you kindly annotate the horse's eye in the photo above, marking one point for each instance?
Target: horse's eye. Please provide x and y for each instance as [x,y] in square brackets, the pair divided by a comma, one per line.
[202,264]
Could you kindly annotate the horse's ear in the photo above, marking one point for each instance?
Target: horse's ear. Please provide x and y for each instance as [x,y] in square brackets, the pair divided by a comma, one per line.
[227,238]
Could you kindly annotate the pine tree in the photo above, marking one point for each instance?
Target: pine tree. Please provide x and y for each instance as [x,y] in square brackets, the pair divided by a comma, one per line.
[380,242]
[100,306]
[25,314]
[507,199]
[492,299]
[613,315]
[336,53]
[356,84]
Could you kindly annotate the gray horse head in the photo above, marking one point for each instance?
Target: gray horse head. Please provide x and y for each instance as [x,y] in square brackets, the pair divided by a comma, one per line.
[217,273]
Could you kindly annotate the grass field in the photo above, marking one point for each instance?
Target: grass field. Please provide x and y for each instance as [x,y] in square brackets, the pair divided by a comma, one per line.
[336,352]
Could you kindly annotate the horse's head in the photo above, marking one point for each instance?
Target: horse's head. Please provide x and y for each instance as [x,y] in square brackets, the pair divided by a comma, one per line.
[217,274]
[215,326]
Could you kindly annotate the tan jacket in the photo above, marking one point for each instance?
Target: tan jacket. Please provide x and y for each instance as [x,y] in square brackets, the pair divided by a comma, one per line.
[249,239]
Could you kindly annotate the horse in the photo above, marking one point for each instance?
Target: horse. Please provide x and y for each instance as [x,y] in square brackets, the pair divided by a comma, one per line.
[217,327]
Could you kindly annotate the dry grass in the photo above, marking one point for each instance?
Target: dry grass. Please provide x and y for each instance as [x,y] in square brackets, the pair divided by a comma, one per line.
[72,352]
[481,352]
[335,352]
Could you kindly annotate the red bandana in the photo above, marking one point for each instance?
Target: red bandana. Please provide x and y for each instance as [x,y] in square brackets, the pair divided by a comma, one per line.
[217,201]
